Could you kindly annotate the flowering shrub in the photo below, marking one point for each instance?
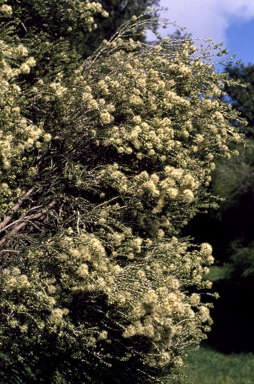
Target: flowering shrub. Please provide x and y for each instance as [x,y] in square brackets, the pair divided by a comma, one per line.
[101,165]
[50,296]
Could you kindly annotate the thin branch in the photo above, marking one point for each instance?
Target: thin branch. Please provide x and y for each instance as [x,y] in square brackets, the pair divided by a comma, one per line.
[21,218]
[9,250]
[7,219]
[25,220]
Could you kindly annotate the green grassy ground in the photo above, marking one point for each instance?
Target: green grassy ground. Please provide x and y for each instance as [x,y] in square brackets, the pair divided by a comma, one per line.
[207,366]
[232,330]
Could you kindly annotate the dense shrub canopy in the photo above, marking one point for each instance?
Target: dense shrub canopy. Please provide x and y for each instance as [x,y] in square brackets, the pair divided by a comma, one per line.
[102,163]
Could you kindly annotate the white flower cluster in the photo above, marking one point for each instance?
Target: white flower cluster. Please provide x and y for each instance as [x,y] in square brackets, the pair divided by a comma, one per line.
[151,294]
[157,119]
[18,134]
[5,10]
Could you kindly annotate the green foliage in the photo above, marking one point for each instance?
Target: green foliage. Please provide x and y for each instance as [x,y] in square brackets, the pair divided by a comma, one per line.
[233,179]
[102,163]
[242,93]
[119,12]
[231,229]
[218,273]
[242,262]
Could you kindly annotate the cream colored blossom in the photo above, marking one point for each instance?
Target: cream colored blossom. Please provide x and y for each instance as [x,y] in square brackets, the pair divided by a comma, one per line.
[188,195]
[150,297]
[195,299]
[25,68]
[22,50]
[87,96]
[136,100]
[148,330]
[172,192]
[106,118]
[57,315]
[47,137]
[51,289]
[141,274]
[92,104]
[130,331]
[16,271]
[206,249]
[151,187]
[6,10]
[204,313]
[23,281]
[137,119]
[31,62]
[103,335]
[83,270]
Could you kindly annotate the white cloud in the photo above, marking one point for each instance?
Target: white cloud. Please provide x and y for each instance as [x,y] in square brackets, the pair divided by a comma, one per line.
[207,18]
[242,10]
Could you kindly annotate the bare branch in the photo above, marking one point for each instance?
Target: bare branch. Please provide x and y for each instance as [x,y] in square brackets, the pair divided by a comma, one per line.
[8,218]
[24,220]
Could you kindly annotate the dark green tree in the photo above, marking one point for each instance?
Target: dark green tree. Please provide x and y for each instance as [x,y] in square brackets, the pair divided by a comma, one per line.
[54,23]
[241,95]
[234,179]
[230,229]
[119,12]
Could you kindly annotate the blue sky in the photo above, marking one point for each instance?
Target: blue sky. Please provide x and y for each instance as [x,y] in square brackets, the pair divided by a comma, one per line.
[230,22]
[240,40]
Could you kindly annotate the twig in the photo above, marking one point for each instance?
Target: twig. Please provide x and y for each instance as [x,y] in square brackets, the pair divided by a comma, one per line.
[7,219]
[24,221]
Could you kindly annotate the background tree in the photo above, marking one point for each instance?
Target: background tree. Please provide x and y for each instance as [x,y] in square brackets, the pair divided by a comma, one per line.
[119,11]
[241,93]
[230,229]
[102,163]
[233,180]
[42,20]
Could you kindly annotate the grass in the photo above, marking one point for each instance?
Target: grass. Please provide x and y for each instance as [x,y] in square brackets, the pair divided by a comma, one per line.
[232,330]
[207,366]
